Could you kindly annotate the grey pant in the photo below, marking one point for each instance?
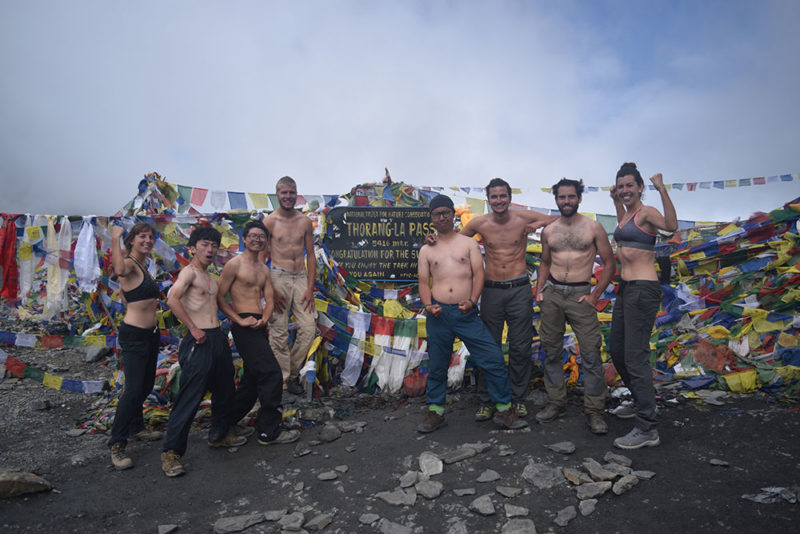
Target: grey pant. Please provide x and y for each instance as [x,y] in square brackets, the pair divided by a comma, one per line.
[514,306]
[631,326]
[559,306]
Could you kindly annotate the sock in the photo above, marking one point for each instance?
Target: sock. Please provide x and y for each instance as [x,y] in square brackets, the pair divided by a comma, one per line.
[502,406]
[439,410]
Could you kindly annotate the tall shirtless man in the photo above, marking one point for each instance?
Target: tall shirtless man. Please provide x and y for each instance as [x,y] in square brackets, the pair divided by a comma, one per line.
[204,355]
[507,296]
[564,293]
[456,268]
[294,270]
[243,286]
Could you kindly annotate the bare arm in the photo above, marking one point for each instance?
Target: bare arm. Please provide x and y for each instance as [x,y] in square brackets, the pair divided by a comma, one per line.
[269,303]
[668,221]
[182,284]
[424,281]
[609,263]
[311,266]
[618,206]
[121,267]
[472,227]
[535,220]
[544,269]
[476,263]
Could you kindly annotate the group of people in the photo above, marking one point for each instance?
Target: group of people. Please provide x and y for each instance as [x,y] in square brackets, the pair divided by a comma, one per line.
[453,279]
[252,295]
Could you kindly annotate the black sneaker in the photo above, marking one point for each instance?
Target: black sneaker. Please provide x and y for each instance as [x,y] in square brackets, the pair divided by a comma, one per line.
[285,436]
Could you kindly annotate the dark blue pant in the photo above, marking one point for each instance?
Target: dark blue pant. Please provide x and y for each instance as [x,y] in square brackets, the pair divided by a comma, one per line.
[139,351]
[204,367]
[514,306]
[262,379]
[482,349]
[632,323]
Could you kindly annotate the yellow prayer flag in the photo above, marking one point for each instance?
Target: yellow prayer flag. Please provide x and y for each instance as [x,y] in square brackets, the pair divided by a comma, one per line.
[52,381]
[742,382]
[697,256]
[477,206]
[604,317]
[321,305]
[728,228]
[730,183]
[516,191]
[717,331]
[787,340]
[392,308]
[313,348]
[260,200]
[34,233]
[95,341]
[422,332]
[25,251]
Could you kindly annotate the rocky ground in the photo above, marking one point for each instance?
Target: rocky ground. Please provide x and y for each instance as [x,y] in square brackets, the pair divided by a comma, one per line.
[733,466]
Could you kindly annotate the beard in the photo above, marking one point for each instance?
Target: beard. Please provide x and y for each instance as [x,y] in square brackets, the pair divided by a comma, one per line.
[568,211]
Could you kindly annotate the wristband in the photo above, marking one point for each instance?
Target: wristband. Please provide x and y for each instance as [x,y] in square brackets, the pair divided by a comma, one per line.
[473,303]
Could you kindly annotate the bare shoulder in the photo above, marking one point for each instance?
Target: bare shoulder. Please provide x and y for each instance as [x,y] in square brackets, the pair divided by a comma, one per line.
[464,241]
[233,264]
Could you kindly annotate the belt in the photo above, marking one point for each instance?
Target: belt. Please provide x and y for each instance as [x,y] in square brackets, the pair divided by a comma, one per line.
[507,284]
[567,287]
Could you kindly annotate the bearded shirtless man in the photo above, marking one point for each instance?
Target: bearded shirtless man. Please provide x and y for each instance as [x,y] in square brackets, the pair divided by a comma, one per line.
[564,293]
[243,286]
[506,295]
[293,271]
[204,355]
[456,269]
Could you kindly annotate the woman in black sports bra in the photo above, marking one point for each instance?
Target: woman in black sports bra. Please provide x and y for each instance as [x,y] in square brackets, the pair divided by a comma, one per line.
[138,337]
[638,297]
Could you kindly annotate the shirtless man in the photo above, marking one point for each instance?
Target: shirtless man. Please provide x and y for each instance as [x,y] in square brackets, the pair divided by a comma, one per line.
[456,267]
[564,293]
[507,296]
[204,355]
[291,243]
[243,284]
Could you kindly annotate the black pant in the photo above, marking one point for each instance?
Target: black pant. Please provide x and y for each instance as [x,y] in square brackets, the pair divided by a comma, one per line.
[139,351]
[262,378]
[208,366]
[632,323]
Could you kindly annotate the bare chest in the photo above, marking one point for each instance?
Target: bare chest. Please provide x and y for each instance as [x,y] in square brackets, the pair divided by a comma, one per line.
[566,239]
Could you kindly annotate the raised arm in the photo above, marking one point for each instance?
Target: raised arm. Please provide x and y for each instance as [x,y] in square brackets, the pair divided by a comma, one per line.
[535,220]
[121,267]
[668,221]
[618,206]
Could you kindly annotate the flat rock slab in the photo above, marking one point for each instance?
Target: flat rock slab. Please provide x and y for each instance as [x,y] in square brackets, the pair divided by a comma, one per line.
[461,492]
[430,489]
[576,476]
[587,506]
[617,459]
[597,471]
[489,475]
[562,447]
[483,505]
[515,511]
[368,519]
[508,491]
[566,515]
[390,527]
[328,475]
[13,483]
[479,447]
[593,489]
[457,455]
[319,522]
[519,526]
[542,476]
[408,479]
[237,523]
[330,433]
[624,484]
[430,464]
[293,521]
[398,497]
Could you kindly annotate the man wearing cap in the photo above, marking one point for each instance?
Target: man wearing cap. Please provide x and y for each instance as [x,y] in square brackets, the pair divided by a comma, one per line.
[564,294]
[450,282]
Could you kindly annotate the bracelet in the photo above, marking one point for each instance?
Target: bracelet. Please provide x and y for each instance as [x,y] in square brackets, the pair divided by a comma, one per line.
[473,303]
[425,306]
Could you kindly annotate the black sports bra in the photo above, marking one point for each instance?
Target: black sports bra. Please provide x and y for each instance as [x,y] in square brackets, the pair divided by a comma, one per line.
[148,289]
[632,235]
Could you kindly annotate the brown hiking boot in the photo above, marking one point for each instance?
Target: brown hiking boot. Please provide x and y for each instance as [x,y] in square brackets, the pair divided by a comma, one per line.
[230,440]
[146,434]
[549,413]
[597,423]
[509,419]
[119,458]
[433,421]
[171,464]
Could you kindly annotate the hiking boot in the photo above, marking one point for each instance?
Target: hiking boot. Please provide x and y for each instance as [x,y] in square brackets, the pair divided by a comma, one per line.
[549,413]
[636,439]
[626,410]
[146,434]
[294,387]
[244,430]
[597,423]
[522,410]
[119,458]
[171,464]
[230,440]
[433,421]
[285,436]
[484,413]
[509,419]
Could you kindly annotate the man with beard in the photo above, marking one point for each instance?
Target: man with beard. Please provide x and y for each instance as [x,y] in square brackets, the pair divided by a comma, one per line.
[506,295]
[564,293]
[293,272]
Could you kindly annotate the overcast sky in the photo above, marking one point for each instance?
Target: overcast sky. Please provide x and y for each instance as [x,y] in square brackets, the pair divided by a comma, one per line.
[234,95]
